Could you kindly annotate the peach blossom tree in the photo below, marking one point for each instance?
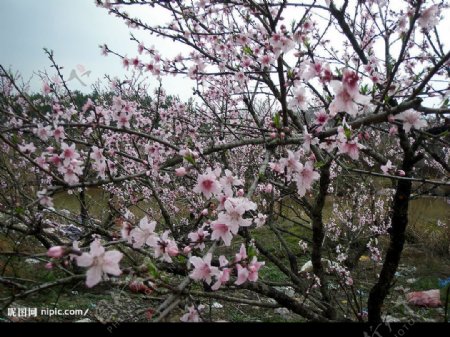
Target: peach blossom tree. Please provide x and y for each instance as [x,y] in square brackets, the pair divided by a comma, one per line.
[294,105]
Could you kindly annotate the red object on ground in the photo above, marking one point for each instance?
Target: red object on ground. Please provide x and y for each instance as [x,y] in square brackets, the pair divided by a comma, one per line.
[430,298]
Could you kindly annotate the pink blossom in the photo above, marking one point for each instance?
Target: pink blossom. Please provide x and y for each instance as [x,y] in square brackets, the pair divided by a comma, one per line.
[123,121]
[411,119]
[207,184]
[308,140]
[43,132]
[313,70]
[299,100]
[193,314]
[126,63]
[144,234]
[249,273]
[203,271]
[223,274]
[99,262]
[59,134]
[351,148]
[221,198]
[125,230]
[429,17]
[291,163]
[281,43]
[260,220]
[235,209]
[347,95]
[27,148]
[242,275]
[56,251]
[388,166]
[68,153]
[196,70]
[343,101]
[265,61]
[268,188]
[321,117]
[42,162]
[44,199]
[350,82]
[222,229]
[242,255]
[164,247]
[197,238]
[97,154]
[393,130]
[136,62]
[180,172]
[276,167]
[401,173]
[72,171]
[241,78]
[253,269]
[305,178]
[228,181]
[46,88]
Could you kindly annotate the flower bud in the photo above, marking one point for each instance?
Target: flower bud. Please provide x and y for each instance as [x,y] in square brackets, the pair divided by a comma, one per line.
[56,251]
[172,251]
[180,172]
[268,188]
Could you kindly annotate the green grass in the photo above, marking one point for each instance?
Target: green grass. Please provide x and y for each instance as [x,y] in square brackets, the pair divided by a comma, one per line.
[426,283]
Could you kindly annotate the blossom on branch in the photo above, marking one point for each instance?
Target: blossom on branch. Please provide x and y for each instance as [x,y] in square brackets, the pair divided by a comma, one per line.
[99,263]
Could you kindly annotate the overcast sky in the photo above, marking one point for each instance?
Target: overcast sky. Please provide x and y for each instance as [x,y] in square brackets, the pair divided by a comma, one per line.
[73,29]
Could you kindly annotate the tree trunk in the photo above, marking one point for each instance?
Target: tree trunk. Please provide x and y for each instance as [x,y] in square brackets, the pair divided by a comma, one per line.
[397,234]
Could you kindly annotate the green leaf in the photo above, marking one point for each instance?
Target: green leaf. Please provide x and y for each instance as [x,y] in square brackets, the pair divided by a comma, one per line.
[152,269]
[347,132]
[15,139]
[190,159]
[277,120]
[319,164]
[444,134]
[290,74]
[247,50]
[251,252]
[306,43]
[19,210]
[365,89]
